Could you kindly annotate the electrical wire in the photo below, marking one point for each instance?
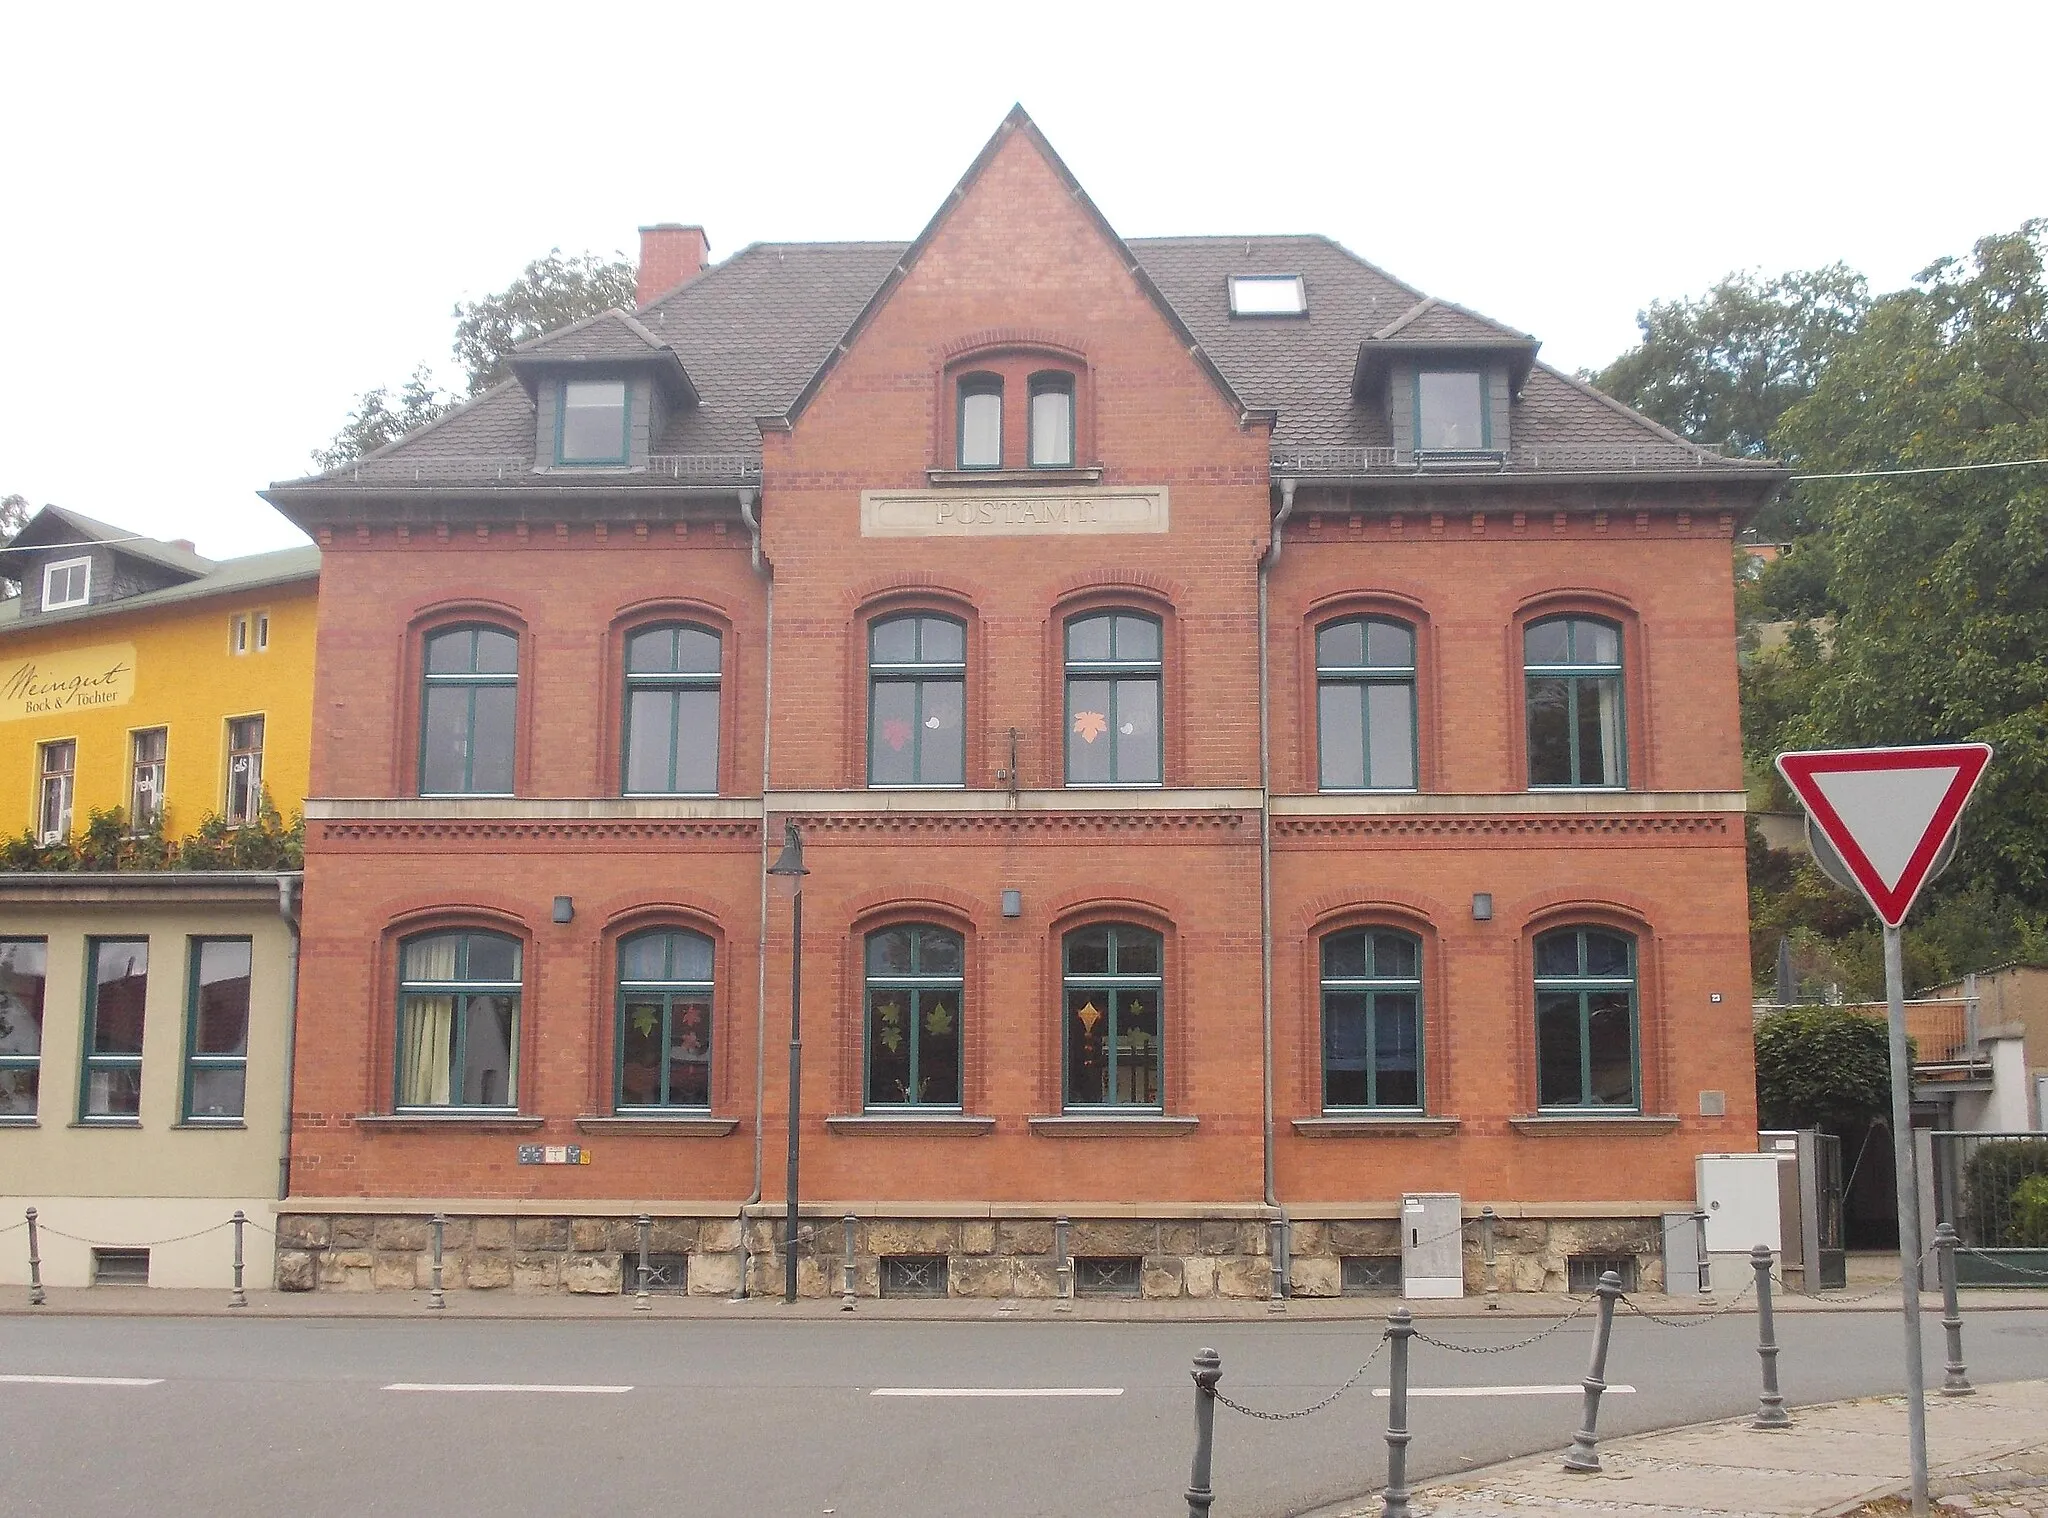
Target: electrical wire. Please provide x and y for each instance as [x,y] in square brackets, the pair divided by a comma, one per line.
[1878,474]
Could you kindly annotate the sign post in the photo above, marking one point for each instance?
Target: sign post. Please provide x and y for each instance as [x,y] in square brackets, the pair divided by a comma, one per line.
[1882,823]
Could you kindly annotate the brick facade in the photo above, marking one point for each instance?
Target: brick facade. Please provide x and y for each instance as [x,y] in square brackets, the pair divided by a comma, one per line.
[1018,275]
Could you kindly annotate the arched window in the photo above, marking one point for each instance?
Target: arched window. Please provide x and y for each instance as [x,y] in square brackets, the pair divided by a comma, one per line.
[1113,981]
[917,696]
[1113,679]
[664,1036]
[458,1021]
[1365,705]
[1572,668]
[980,430]
[671,746]
[1052,420]
[1372,1019]
[914,987]
[469,712]
[1586,1019]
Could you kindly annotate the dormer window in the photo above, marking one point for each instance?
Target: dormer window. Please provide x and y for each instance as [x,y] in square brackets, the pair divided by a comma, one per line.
[1450,410]
[1052,421]
[592,428]
[981,421]
[67,582]
[1268,295]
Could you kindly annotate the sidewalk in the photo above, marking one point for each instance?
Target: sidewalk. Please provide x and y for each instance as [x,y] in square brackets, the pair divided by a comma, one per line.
[1989,1455]
[162,1302]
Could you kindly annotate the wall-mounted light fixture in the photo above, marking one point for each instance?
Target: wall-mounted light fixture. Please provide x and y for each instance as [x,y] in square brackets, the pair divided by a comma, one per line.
[1013,903]
[565,909]
[1482,906]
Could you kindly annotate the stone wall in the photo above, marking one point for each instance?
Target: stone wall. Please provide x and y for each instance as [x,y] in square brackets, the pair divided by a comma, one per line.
[1192,1258]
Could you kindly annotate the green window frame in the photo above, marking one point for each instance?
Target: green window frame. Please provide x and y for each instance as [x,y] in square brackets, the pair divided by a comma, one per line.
[116,1003]
[1587,1045]
[669,746]
[1421,413]
[917,701]
[566,398]
[1115,697]
[663,1047]
[973,450]
[1366,732]
[1373,1054]
[1113,986]
[24,974]
[459,994]
[217,998]
[1577,719]
[914,1017]
[469,711]
[1052,419]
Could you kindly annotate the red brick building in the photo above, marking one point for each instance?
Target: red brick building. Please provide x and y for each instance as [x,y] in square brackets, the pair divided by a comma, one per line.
[1262,744]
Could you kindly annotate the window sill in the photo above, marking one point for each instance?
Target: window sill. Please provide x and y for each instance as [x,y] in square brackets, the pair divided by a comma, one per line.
[680,1125]
[427,1122]
[1085,476]
[106,1122]
[1583,1124]
[1390,1124]
[20,1122]
[1112,1125]
[211,1122]
[959,1124]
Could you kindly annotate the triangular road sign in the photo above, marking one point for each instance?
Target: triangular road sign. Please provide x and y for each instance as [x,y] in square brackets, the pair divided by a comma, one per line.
[1887,811]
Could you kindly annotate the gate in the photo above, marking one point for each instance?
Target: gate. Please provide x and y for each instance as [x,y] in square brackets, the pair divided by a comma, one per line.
[1993,1189]
[1833,1258]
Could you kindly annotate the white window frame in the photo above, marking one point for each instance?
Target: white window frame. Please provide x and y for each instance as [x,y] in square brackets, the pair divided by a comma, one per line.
[1242,286]
[262,631]
[53,568]
[62,783]
[238,633]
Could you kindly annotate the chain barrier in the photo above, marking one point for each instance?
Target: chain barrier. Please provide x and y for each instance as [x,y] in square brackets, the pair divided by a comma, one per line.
[1501,1349]
[1864,1296]
[257,1226]
[2002,1264]
[134,1243]
[1314,1407]
[1695,1319]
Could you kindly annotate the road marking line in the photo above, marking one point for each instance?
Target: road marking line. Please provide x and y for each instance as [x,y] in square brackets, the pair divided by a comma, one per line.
[1500,1391]
[501,1386]
[997,1391]
[82,1380]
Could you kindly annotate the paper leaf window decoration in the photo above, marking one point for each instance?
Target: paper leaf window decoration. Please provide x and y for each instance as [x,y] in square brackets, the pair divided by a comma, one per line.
[1090,725]
[895,732]
[938,1021]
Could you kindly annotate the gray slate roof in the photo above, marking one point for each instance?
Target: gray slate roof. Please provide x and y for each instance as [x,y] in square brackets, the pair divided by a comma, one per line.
[224,577]
[754,329]
[60,524]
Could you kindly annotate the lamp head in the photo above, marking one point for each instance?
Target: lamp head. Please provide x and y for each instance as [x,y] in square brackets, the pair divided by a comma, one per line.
[790,863]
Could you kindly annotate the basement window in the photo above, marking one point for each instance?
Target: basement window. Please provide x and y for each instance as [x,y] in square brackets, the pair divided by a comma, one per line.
[913,1275]
[1372,1275]
[668,1274]
[1268,295]
[1106,1275]
[120,1267]
[1582,1272]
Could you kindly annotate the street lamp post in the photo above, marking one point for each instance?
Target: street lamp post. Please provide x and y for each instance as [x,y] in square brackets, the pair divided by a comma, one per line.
[789,868]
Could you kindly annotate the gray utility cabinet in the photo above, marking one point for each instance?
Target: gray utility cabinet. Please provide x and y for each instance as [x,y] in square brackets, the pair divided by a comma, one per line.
[1432,1244]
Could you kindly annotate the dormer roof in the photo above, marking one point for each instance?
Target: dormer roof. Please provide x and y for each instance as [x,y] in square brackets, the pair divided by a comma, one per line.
[54,529]
[1438,330]
[609,341]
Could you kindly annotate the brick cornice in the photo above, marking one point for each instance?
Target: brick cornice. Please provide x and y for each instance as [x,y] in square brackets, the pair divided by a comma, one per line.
[554,830]
[1711,826]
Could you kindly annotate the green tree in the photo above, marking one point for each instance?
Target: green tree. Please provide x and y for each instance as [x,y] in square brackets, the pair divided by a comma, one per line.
[550,292]
[14,514]
[380,418]
[1942,578]
[1822,1067]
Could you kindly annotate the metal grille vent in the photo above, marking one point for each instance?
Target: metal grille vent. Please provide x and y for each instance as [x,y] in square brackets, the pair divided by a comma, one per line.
[913,1275]
[667,1274]
[120,1267]
[1106,1275]
[1582,1272]
[1372,1275]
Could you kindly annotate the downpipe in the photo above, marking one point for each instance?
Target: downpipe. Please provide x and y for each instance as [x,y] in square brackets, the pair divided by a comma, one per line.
[1267,562]
[766,570]
[289,908]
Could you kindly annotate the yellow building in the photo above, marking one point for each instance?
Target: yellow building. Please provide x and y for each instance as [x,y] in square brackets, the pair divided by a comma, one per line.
[136,674]
[145,1013]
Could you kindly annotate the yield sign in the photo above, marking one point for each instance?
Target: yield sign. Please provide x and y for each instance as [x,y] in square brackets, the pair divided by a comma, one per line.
[1887,811]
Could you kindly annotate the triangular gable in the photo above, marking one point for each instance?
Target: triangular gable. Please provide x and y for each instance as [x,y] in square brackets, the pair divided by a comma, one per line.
[55,527]
[608,334]
[1018,120]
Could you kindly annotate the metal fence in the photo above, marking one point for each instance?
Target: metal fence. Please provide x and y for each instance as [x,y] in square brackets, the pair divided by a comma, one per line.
[1993,1189]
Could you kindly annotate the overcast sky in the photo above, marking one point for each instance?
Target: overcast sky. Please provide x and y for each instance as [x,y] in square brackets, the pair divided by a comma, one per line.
[219,224]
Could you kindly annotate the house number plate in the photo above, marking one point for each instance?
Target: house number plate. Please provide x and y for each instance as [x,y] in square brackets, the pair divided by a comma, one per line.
[553,1154]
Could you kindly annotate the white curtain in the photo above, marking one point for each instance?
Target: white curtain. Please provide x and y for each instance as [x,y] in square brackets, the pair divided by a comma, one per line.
[429,1032]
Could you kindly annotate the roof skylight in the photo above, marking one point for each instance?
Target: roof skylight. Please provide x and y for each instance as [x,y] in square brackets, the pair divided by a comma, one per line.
[1268,295]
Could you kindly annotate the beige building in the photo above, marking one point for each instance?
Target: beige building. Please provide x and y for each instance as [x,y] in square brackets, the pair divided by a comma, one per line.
[2005,1010]
[145,1045]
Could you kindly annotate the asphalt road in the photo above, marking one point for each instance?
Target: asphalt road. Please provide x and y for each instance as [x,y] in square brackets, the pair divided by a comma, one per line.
[781,1419]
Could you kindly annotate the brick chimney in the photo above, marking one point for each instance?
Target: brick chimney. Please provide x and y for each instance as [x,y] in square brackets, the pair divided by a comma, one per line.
[669,254]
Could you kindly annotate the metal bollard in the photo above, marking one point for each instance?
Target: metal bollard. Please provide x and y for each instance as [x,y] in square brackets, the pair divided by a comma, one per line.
[1207,1372]
[1770,1407]
[1062,1266]
[35,1264]
[642,1302]
[1278,1242]
[1394,1499]
[846,1265]
[1706,1269]
[1584,1455]
[436,1297]
[1486,1258]
[238,1297]
[1957,1382]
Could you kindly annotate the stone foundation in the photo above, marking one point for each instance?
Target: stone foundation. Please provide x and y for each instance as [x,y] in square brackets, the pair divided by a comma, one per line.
[1177,1258]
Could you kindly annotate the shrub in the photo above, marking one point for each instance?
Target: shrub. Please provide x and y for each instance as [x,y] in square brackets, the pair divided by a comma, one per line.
[2030,1213]
[2005,1184]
